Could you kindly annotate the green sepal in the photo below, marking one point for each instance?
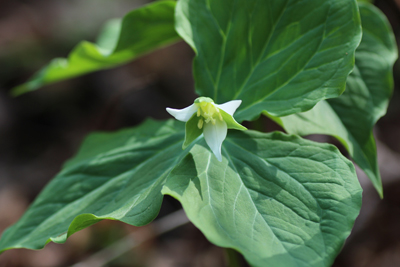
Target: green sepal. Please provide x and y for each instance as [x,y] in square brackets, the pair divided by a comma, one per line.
[192,131]
[231,122]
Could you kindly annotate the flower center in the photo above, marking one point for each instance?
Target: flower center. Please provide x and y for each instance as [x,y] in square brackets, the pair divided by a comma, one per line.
[207,113]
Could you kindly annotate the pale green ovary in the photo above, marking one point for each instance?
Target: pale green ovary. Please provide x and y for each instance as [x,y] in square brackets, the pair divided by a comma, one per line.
[207,112]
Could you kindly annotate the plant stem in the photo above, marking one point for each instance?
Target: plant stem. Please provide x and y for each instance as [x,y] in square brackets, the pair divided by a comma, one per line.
[232,257]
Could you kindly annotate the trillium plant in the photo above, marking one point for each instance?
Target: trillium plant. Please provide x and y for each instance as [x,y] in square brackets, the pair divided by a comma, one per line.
[312,66]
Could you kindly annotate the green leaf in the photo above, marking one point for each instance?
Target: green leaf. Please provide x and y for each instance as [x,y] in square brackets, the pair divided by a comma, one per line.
[280,200]
[115,176]
[351,117]
[282,56]
[141,31]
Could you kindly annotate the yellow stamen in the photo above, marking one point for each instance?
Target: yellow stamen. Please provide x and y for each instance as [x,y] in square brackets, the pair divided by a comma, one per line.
[200,124]
[220,116]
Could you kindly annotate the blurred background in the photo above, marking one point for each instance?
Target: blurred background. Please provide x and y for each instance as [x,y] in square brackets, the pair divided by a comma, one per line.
[42,129]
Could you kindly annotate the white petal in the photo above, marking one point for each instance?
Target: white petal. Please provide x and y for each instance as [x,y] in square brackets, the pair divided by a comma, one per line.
[230,107]
[183,114]
[215,135]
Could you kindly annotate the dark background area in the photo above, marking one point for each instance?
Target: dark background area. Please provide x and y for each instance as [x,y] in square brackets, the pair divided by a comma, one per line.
[42,129]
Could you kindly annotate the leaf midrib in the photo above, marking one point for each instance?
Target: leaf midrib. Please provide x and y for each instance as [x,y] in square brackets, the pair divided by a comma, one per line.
[255,207]
[316,200]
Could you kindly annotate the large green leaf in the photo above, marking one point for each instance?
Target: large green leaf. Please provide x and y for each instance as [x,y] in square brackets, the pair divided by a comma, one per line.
[115,176]
[282,56]
[351,117]
[280,200]
[140,32]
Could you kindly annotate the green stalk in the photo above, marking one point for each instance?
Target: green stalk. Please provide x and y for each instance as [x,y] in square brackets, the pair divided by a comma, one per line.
[232,258]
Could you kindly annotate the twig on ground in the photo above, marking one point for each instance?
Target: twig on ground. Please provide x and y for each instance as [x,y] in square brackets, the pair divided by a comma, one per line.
[158,227]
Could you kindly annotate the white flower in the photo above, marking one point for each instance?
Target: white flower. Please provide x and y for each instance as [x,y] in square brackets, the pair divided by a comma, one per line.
[204,116]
